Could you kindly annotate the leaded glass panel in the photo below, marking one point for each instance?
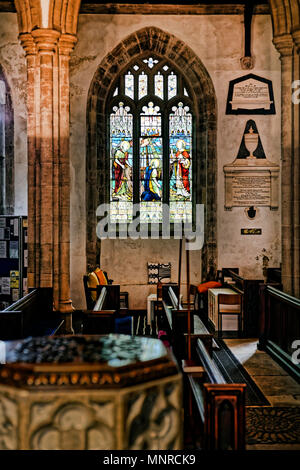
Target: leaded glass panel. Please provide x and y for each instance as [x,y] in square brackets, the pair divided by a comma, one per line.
[159,85]
[143,85]
[172,85]
[151,164]
[129,85]
[121,163]
[180,144]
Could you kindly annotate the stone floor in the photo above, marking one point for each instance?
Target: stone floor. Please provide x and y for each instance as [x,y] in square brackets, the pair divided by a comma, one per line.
[280,389]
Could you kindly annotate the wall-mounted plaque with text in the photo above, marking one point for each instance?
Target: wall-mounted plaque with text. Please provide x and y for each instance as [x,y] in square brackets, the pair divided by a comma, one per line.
[250,94]
[251,179]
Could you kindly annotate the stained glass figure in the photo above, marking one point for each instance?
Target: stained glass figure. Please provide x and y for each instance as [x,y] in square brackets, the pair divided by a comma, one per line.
[180,143]
[129,85]
[151,164]
[143,85]
[172,85]
[159,85]
[121,127]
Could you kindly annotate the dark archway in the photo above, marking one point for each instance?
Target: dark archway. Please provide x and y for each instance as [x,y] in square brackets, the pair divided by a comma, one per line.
[165,45]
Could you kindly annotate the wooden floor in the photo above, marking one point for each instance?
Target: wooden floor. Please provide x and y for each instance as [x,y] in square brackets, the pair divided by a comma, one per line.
[281,390]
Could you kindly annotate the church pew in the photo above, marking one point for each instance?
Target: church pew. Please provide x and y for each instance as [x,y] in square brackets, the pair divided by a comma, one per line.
[215,410]
[32,315]
[175,321]
[209,399]
[107,315]
[249,289]
[280,328]
[119,300]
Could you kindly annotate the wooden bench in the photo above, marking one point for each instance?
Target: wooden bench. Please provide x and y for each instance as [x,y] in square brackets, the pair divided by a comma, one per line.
[249,289]
[280,328]
[101,319]
[119,300]
[32,315]
[174,318]
[215,410]
[107,314]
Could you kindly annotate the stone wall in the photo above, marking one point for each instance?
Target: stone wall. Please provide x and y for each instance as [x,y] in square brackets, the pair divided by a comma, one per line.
[218,42]
[13,64]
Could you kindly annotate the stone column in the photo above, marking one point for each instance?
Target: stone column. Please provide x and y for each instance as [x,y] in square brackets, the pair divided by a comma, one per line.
[65,46]
[33,157]
[296,182]
[48,53]
[46,43]
[284,45]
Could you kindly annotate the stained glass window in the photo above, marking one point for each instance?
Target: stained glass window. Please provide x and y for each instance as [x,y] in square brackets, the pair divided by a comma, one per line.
[180,145]
[151,143]
[172,85]
[159,85]
[151,163]
[151,62]
[129,85]
[121,189]
[143,85]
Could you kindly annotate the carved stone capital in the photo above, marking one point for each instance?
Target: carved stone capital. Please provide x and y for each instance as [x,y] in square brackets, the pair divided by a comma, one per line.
[28,43]
[296,38]
[46,40]
[66,44]
[284,45]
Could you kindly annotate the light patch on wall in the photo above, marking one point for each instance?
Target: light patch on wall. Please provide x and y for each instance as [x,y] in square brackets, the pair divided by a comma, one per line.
[2,92]
[45,12]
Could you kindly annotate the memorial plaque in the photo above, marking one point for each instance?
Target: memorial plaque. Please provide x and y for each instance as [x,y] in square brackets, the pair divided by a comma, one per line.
[251,190]
[250,94]
[251,179]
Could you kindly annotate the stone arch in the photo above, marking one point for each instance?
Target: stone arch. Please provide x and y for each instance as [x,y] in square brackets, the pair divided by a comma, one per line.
[285,16]
[153,39]
[7,165]
[62,15]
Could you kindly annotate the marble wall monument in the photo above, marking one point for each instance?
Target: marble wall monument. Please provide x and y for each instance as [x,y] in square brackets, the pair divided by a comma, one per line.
[251,179]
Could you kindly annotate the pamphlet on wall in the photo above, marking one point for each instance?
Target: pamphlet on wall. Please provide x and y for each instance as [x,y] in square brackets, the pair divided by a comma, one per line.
[3,249]
[15,294]
[25,258]
[4,233]
[25,286]
[14,279]
[14,249]
[5,285]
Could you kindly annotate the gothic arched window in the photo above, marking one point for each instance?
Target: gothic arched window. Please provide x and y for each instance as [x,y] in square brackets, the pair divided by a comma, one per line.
[150,143]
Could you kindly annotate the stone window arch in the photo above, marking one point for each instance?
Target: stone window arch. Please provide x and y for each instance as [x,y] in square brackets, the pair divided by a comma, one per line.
[6,148]
[147,42]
